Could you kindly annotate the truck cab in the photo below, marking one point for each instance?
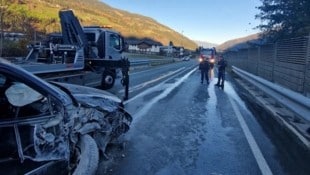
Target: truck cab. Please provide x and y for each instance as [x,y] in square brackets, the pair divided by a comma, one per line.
[208,54]
[107,44]
[103,42]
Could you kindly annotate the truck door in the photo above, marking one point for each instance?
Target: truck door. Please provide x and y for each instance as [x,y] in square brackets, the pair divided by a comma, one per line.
[101,50]
[114,43]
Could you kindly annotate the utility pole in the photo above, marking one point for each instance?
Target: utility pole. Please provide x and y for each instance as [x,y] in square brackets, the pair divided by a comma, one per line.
[1,23]
[182,48]
[2,8]
[182,39]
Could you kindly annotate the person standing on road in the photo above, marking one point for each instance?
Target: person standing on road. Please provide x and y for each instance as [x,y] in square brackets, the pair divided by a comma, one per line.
[221,72]
[204,67]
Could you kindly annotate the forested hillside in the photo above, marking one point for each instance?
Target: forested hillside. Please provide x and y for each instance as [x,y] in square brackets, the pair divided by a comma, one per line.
[41,16]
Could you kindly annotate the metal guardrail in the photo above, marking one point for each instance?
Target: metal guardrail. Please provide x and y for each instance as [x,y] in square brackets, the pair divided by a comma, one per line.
[150,62]
[288,98]
[133,63]
[139,63]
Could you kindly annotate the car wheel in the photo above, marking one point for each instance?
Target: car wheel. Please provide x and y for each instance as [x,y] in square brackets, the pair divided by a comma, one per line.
[108,79]
[88,158]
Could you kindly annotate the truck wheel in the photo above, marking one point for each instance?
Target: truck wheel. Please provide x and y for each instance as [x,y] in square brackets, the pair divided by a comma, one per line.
[88,158]
[108,79]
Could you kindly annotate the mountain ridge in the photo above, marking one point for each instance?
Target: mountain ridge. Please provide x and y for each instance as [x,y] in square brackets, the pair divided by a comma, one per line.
[41,16]
[31,16]
[239,43]
[205,44]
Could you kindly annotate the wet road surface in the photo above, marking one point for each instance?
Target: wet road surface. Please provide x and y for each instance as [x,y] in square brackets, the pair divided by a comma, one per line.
[183,127]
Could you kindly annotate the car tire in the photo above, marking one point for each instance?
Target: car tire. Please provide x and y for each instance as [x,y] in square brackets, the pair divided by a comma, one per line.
[89,156]
[108,79]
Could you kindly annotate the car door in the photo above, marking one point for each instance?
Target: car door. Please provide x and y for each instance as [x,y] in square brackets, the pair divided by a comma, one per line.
[31,122]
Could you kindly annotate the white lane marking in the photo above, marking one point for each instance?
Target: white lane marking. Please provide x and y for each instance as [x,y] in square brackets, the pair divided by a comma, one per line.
[158,87]
[264,168]
[147,106]
[139,86]
[148,70]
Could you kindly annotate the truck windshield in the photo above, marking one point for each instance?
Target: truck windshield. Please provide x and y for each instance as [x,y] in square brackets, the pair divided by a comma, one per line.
[115,41]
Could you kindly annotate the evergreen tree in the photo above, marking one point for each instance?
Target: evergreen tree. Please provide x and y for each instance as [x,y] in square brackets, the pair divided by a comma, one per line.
[284,18]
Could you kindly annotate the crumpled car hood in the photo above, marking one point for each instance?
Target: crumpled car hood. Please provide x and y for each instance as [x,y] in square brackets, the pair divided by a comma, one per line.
[92,97]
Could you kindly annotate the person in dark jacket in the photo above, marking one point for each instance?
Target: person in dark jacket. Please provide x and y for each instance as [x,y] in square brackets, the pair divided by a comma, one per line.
[204,67]
[221,72]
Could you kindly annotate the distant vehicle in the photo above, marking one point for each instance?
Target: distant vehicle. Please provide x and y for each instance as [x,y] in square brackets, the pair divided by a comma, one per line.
[54,128]
[208,54]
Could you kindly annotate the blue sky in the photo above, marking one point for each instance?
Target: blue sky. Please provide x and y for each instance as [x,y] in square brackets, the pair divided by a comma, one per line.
[214,21]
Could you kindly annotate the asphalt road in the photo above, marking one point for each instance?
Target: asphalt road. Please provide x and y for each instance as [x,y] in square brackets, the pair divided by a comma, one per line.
[183,127]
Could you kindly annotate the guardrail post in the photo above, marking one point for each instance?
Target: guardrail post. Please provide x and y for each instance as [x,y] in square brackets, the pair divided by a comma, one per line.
[274,59]
[248,60]
[258,59]
[306,85]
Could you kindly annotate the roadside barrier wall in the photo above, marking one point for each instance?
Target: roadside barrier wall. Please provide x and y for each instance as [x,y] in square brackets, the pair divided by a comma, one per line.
[286,62]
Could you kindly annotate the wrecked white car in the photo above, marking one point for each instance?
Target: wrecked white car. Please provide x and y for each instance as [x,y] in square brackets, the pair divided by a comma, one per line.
[45,126]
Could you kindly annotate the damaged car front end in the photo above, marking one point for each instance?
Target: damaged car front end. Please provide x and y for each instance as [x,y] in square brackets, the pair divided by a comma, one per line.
[45,126]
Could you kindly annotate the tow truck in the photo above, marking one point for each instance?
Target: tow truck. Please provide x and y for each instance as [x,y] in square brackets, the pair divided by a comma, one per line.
[88,56]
